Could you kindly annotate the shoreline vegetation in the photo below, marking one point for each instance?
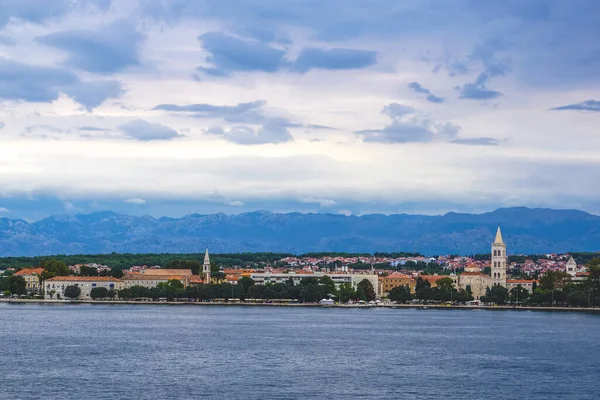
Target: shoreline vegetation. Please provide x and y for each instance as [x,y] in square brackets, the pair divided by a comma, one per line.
[310,305]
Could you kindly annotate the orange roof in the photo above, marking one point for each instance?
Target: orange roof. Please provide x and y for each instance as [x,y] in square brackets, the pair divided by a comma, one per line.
[85,279]
[474,274]
[435,278]
[232,278]
[30,271]
[519,281]
[395,276]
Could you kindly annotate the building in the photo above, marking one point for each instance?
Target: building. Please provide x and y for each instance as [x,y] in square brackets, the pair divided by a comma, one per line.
[387,283]
[32,278]
[206,267]
[262,278]
[498,260]
[55,287]
[571,267]
[152,277]
[474,280]
[524,283]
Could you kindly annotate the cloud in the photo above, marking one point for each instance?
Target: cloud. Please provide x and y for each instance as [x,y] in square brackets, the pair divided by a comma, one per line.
[483,141]
[246,135]
[92,94]
[146,131]
[1,125]
[412,126]
[477,92]
[242,112]
[435,99]
[135,200]
[235,203]
[38,11]
[39,84]
[418,88]
[4,210]
[70,207]
[334,59]
[107,50]
[321,202]
[230,54]
[588,105]
[92,128]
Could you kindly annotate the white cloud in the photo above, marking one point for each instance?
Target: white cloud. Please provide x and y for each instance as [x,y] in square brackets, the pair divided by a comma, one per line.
[89,157]
[4,210]
[135,201]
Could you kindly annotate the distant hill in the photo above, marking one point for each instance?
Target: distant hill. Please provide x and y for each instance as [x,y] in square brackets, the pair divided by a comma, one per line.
[524,230]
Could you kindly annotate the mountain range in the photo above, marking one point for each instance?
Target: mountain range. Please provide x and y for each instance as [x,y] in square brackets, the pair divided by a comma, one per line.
[525,230]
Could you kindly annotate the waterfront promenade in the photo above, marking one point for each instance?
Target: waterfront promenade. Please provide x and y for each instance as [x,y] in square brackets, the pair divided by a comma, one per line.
[303,305]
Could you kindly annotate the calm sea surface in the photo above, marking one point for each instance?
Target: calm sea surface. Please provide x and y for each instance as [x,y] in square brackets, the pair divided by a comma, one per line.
[186,352]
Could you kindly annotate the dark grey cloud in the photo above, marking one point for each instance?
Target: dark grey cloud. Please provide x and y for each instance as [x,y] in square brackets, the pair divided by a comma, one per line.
[24,82]
[588,105]
[146,131]
[418,88]
[106,50]
[411,126]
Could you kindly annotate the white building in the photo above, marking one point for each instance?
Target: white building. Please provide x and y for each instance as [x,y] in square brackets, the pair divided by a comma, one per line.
[55,287]
[571,267]
[152,277]
[262,278]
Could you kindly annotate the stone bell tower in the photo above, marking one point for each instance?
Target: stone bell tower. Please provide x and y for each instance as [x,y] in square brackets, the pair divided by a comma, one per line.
[499,260]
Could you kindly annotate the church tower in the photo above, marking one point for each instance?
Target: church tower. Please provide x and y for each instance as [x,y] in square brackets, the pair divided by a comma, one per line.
[499,260]
[206,267]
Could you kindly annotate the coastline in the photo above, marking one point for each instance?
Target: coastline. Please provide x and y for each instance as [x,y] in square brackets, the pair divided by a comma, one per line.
[310,305]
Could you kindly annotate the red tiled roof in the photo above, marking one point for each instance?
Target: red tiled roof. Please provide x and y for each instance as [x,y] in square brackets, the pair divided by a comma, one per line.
[30,271]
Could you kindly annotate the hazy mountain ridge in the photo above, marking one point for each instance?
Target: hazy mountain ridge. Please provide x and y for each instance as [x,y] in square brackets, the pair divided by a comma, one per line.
[525,231]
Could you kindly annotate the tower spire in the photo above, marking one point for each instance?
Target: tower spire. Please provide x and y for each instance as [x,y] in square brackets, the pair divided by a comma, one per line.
[498,239]
[206,267]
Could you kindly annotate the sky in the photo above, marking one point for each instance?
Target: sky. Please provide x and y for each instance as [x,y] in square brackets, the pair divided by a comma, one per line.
[172,107]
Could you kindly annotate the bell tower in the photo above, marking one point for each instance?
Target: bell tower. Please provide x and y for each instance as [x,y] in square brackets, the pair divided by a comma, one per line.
[499,260]
[206,267]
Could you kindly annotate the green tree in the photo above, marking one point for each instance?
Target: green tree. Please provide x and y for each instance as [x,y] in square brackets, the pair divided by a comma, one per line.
[84,270]
[15,284]
[99,293]
[518,295]
[219,277]
[365,287]
[496,295]
[72,291]
[577,298]
[246,282]
[553,280]
[423,289]
[328,283]
[116,273]
[112,293]
[346,293]
[53,268]
[400,294]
